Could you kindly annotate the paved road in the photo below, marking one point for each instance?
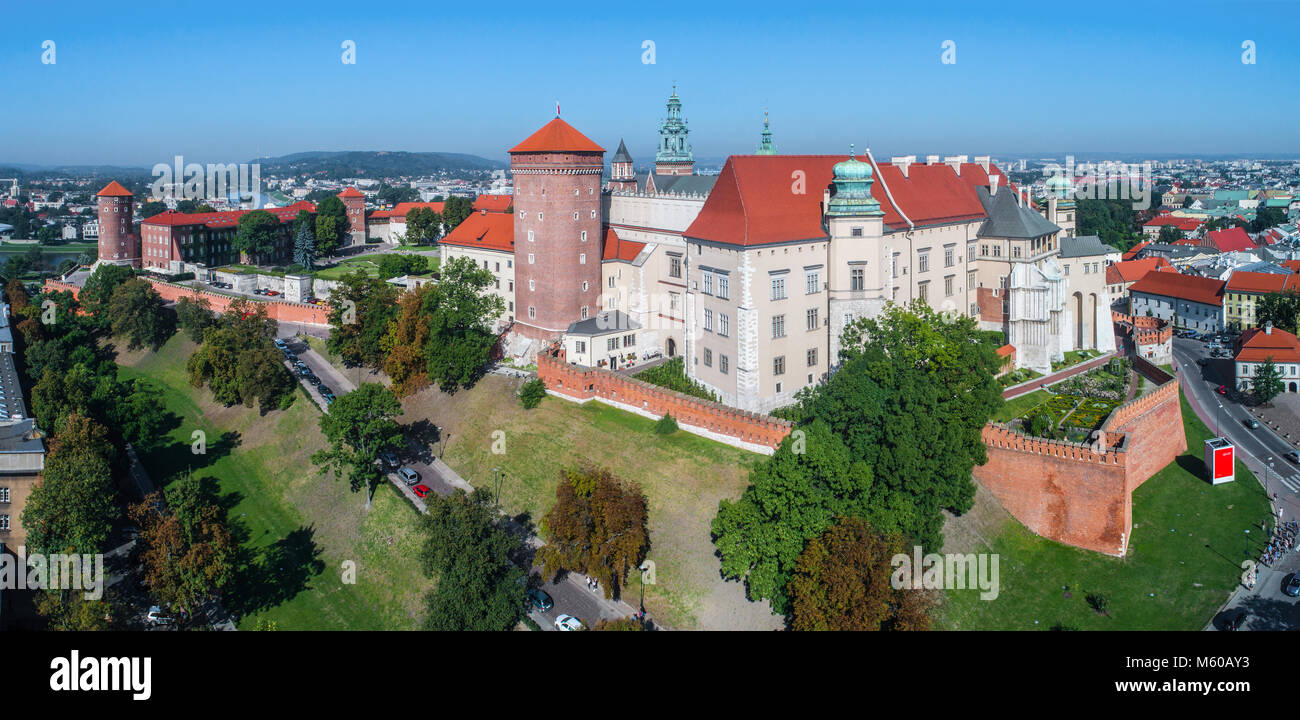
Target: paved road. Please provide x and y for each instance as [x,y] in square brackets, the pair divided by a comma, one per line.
[1263,452]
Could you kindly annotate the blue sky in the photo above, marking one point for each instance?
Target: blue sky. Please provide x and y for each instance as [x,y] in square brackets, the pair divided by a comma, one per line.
[144,82]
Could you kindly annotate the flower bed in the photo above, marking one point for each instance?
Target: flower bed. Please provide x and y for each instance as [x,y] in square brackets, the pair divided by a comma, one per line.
[1091,413]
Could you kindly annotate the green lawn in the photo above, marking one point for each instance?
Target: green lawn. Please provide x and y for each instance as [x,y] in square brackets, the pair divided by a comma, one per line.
[343,267]
[1189,539]
[1021,404]
[683,476]
[296,527]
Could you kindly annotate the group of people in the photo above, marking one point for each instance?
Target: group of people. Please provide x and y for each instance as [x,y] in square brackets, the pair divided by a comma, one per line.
[593,584]
[1282,542]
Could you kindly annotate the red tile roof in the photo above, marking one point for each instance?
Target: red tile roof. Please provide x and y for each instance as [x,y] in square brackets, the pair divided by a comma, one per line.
[114,189]
[1130,271]
[226,218]
[754,201]
[617,248]
[1184,224]
[1292,265]
[403,208]
[379,214]
[493,203]
[352,193]
[1006,350]
[1133,251]
[1257,282]
[1258,346]
[1233,238]
[490,231]
[1184,287]
[557,136]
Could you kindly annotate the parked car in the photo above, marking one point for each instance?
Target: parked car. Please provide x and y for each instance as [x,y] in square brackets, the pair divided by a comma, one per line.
[568,623]
[157,617]
[1292,586]
[324,389]
[1293,456]
[1223,389]
[540,599]
[1236,621]
[313,380]
[409,476]
[389,458]
[280,344]
[421,491]
[272,293]
[1252,423]
[304,371]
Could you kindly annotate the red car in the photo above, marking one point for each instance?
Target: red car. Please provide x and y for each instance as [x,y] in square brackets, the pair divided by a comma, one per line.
[421,490]
[1223,389]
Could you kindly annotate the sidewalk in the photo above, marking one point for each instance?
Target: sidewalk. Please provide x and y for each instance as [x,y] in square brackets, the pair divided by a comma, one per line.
[1031,385]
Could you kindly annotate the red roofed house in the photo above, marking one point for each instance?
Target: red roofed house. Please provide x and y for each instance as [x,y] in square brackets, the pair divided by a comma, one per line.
[1257,345]
[1244,290]
[1121,275]
[1185,300]
[494,203]
[171,238]
[487,240]
[1228,240]
[1188,225]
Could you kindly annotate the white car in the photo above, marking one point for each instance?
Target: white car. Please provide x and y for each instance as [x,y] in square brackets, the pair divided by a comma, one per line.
[568,623]
[156,617]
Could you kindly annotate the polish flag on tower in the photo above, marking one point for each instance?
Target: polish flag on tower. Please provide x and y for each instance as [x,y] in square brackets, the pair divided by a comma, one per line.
[557,108]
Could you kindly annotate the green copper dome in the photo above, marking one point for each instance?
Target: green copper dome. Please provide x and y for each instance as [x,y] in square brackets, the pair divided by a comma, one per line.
[851,193]
[1060,187]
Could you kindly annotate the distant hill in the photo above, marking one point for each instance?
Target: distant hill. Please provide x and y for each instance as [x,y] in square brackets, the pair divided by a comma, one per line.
[374,163]
[22,170]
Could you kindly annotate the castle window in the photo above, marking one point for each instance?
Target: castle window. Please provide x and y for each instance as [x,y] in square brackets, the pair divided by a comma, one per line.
[593,214]
[575,214]
[584,286]
[778,326]
[812,282]
[584,235]
[855,232]
[532,312]
[4,522]
[4,494]
[947,285]
[811,317]
[857,278]
[584,312]
[708,357]
[530,236]
[778,366]
[778,288]
[923,262]
[722,364]
[582,258]
[674,266]
[723,287]
[530,258]
[923,290]
[724,324]
[812,358]
[707,277]
[708,320]
[579,346]
[532,285]
[611,281]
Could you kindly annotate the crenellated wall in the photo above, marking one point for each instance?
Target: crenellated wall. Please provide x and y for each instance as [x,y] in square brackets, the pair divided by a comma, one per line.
[751,431]
[1081,494]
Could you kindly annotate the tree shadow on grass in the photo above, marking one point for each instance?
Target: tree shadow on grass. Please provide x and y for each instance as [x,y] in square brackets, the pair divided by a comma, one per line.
[170,461]
[275,574]
[1193,465]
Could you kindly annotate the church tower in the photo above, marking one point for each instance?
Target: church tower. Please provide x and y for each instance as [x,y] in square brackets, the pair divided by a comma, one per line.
[674,156]
[858,277]
[766,147]
[622,178]
[557,201]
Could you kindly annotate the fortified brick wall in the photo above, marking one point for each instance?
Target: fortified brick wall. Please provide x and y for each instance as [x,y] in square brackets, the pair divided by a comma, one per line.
[277,310]
[751,431]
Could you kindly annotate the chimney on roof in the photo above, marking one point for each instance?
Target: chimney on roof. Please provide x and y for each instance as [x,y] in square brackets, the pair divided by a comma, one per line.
[903,162]
[1268,327]
[983,161]
[955,162]
[931,159]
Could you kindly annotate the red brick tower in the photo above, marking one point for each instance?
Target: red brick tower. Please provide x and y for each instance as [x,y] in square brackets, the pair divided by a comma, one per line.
[557,174]
[118,242]
[355,202]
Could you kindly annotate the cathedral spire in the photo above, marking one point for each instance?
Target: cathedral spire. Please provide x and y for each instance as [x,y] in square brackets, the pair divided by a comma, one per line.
[674,156]
[766,147]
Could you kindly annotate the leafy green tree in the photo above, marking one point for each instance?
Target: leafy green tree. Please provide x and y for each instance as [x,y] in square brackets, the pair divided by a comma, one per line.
[97,293]
[257,234]
[454,212]
[793,497]
[1265,218]
[470,556]
[239,362]
[1267,382]
[532,392]
[1281,309]
[194,315]
[392,265]
[665,425]
[423,226]
[331,226]
[151,208]
[187,558]
[140,416]
[361,309]
[598,526]
[359,426]
[842,581]
[72,506]
[1169,235]
[138,313]
[461,316]
[403,346]
[72,611]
